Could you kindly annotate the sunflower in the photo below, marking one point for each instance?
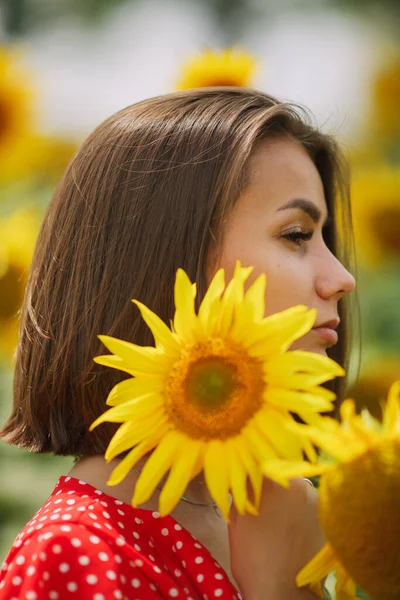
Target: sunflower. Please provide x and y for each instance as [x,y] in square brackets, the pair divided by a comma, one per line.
[359,499]
[215,394]
[15,99]
[17,242]
[376,212]
[385,99]
[228,67]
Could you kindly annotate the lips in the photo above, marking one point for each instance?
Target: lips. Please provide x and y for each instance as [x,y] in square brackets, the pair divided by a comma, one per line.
[327,331]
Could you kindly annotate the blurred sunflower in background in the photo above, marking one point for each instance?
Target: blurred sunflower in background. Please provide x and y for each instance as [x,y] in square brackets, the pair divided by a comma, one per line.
[17,241]
[375,194]
[359,499]
[385,99]
[229,67]
[15,99]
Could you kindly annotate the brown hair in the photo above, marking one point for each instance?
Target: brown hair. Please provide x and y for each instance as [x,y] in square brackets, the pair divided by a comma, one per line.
[146,193]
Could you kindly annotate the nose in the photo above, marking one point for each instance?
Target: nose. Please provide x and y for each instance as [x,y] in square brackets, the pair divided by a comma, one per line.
[334,280]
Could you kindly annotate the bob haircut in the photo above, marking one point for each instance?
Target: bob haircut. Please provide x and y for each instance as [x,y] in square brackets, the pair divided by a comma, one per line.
[147,192]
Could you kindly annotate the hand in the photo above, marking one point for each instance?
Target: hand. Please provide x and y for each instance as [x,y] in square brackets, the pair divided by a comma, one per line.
[269,550]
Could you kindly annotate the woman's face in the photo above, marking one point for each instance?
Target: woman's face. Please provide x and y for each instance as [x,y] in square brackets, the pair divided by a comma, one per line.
[277,227]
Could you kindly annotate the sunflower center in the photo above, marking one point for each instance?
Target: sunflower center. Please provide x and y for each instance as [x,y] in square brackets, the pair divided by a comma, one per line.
[214,389]
[359,508]
[210,383]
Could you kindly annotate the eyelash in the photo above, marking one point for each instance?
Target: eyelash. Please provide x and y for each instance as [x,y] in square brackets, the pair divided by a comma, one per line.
[298,237]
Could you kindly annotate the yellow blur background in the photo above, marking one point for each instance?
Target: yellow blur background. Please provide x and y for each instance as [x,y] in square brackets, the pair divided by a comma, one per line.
[66,65]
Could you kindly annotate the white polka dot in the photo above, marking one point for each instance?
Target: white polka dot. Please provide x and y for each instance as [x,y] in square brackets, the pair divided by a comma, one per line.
[184,564]
[151,544]
[18,543]
[46,575]
[138,521]
[197,545]
[70,501]
[72,586]
[122,578]
[218,592]
[66,517]
[218,576]
[153,587]
[118,502]
[97,525]
[117,558]
[57,510]
[164,531]
[120,525]
[58,493]
[42,518]
[135,583]
[92,579]
[179,545]
[103,556]
[120,541]
[57,549]
[177,527]
[107,525]
[198,560]
[17,580]
[84,560]
[53,517]
[157,569]
[42,556]
[177,573]
[173,592]
[99,597]
[118,594]
[64,567]
[71,492]
[200,577]
[155,514]
[138,562]
[93,516]
[66,528]
[151,557]
[120,512]
[29,530]
[106,515]
[57,501]
[136,535]
[137,547]
[20,560]
[94,539]
[111,575]
[30,570]
[47,535]
[98,492]
[76,542]
[53,595]
[81,508]
[67,478]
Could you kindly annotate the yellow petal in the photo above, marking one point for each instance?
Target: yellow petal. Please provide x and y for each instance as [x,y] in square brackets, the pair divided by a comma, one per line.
[237,477]
[318,568]
[115,362]
[186,325]
[294,401]
[277,332]
[143,405]
[251,467]
[301,361]
[345,587]
[179,476]
[259,446]
[232,297]
[130,460]
[142,359]
[273,425]
[391,415]
[282,471]
[209,309]
[133,388]
[163,336]
[216,475]
[131,433]
[156,466]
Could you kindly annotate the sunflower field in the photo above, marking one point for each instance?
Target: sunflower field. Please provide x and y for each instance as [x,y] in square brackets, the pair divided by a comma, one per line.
[32,160]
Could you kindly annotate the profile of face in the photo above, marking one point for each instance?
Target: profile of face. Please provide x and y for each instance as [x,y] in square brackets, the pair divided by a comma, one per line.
[276,226]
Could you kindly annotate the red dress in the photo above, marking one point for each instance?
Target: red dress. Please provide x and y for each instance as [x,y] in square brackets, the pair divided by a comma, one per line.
[83,544]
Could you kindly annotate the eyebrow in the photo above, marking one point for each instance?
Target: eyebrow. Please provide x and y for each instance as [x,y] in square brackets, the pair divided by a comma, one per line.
[306,206]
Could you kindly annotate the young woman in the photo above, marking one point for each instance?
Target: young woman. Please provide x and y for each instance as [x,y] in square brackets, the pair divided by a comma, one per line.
[197,180]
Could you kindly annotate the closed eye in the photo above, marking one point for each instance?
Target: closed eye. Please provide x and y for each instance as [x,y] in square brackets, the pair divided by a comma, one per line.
[298,236]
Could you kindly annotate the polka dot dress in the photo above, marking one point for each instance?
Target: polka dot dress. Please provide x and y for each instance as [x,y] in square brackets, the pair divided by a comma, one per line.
[86,545]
